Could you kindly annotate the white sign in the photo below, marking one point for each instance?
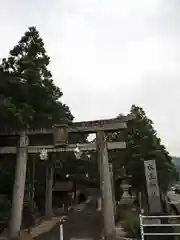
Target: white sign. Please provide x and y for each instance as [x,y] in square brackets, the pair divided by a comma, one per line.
[43,154]
[152,186]
[151,178]
[77,152]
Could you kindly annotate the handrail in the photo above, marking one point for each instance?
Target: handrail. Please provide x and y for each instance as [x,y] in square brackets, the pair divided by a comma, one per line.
[142,225]
[163,216]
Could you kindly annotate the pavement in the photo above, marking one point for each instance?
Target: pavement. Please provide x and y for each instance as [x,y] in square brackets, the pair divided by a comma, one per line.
[83,222]
[45,226]
[174,199]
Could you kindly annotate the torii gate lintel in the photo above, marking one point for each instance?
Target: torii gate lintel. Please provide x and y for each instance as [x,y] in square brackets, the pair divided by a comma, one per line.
[60,133]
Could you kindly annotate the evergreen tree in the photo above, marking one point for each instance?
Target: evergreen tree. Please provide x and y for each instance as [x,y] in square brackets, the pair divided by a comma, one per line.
[29,98]
[144,144]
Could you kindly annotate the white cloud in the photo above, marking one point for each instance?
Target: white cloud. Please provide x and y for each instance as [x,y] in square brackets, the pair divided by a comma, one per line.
[108,54]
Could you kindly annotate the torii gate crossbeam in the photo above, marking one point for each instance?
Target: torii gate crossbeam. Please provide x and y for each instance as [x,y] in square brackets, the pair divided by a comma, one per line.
[60,133]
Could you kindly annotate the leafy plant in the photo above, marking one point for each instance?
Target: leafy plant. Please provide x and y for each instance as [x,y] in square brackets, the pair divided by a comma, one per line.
[131,225]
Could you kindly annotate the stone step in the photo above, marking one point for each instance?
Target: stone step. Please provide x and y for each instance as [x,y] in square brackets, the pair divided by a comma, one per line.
[45,226]
[24,235]
[120,232]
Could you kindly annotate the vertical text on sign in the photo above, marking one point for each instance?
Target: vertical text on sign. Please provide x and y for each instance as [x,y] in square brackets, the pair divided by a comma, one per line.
[152,186]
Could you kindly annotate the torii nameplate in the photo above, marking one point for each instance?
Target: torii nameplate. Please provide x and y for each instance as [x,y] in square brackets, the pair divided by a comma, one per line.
[87,126]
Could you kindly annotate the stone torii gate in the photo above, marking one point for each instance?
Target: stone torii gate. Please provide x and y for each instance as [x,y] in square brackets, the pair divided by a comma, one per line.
[60,137]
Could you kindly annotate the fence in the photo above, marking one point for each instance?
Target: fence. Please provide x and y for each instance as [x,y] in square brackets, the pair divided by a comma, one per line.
[157,223]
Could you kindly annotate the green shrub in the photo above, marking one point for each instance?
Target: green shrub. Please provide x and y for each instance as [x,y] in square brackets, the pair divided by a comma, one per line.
[131,225]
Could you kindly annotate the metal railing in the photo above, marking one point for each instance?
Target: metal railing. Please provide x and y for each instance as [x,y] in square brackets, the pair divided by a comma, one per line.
[61,227]
[157,223]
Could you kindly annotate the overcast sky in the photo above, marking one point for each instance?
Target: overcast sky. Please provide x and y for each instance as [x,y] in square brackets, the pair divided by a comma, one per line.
[107,55]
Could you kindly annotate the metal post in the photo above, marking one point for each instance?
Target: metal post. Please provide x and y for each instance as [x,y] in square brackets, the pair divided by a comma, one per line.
[61,231]
[106,187]
[19,186]
[141,227]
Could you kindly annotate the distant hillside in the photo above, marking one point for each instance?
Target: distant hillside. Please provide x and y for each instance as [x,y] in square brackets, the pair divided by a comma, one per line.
[176,161]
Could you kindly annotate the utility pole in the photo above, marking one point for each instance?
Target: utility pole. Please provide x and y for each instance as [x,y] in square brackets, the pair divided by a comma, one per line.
[106,187]
[19,185]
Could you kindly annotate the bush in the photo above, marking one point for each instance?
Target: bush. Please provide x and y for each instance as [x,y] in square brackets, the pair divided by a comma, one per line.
[131,225]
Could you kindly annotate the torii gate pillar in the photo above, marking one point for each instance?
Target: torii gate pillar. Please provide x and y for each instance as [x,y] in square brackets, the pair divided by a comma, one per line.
[49,187]
[61,135]
[106,186]
[19,185]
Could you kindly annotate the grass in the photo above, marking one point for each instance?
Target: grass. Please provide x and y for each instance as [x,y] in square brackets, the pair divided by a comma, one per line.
[130,222]
[131,225]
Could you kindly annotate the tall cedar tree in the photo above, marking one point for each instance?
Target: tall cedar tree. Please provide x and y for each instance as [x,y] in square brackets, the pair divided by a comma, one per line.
[144,144]
[28,96]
